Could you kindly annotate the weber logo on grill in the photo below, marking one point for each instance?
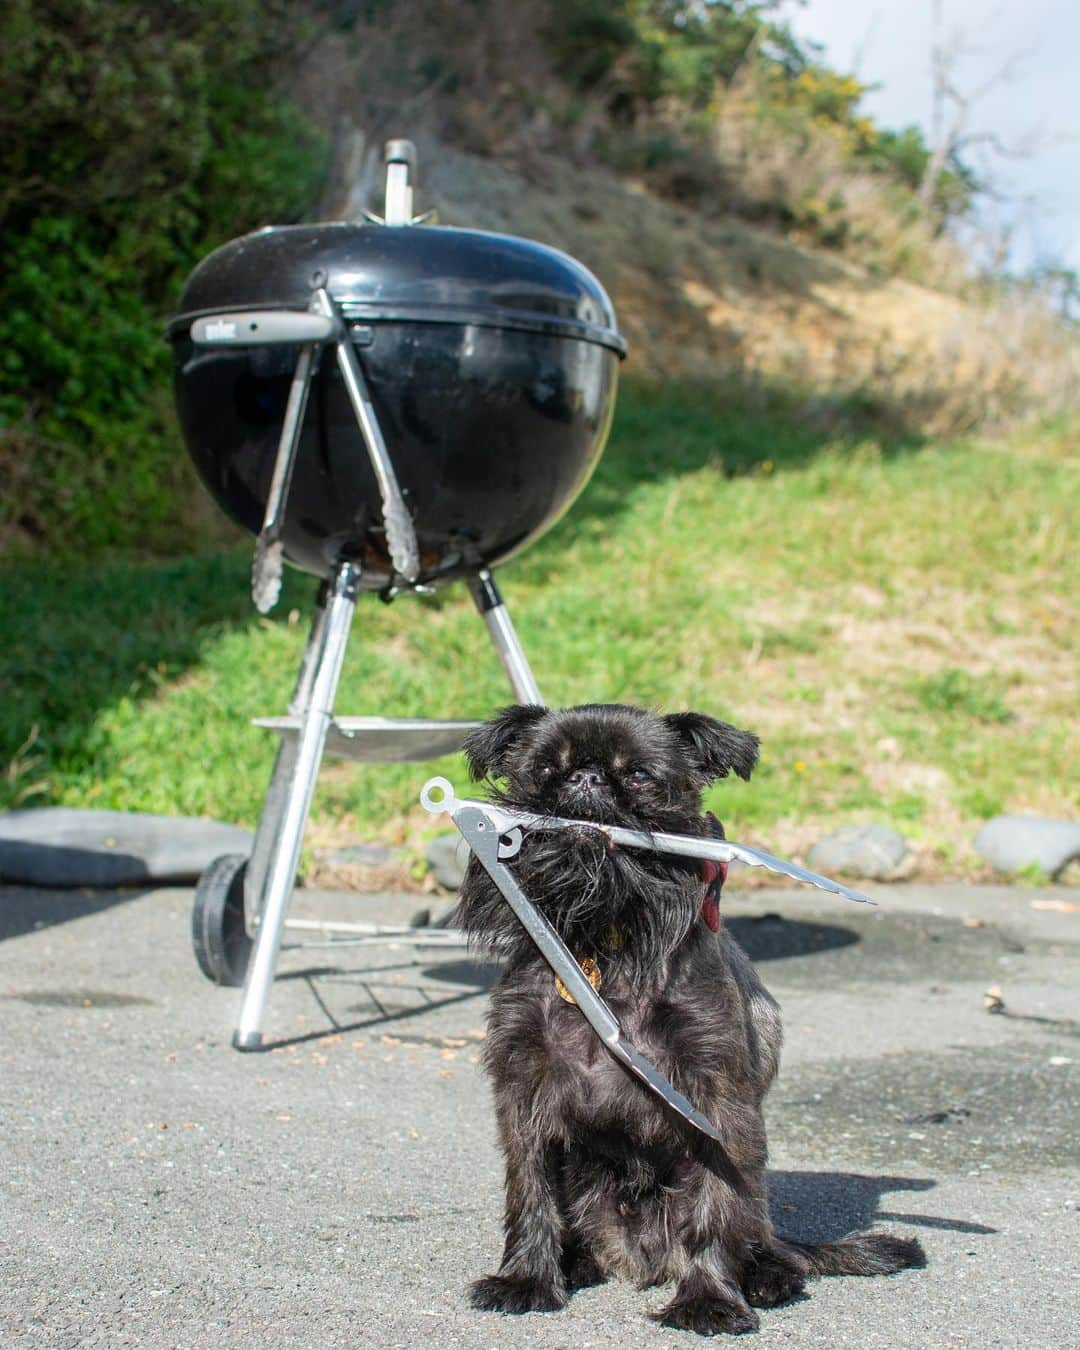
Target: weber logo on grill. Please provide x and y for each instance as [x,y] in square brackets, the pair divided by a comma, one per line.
[219,330]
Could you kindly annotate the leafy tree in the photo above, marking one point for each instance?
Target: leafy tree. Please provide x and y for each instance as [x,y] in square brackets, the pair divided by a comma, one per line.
[133,138]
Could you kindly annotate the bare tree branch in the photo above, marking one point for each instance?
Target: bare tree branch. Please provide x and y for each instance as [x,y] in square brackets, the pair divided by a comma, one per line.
[952,107]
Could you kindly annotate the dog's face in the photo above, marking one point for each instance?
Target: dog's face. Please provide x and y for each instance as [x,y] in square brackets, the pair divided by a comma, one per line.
[607,762]
[612,764]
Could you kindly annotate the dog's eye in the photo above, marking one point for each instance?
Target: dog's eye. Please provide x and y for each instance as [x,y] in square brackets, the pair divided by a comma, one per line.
[640,776]
[545,771]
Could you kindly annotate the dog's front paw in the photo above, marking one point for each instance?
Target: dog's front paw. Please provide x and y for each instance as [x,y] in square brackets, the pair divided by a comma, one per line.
[516,1294]
[770,1280]
[707,1315]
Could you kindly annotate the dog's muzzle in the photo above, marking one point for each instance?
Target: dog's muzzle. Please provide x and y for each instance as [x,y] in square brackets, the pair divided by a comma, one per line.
[587,793]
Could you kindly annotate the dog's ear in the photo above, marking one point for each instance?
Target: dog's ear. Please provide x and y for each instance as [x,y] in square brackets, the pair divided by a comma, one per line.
[717,747]
[488,748]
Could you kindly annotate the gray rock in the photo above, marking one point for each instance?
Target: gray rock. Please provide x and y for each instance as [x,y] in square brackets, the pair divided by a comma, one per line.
[447,856]
[1012,843]
[62,846]
[874,851]
[357,855]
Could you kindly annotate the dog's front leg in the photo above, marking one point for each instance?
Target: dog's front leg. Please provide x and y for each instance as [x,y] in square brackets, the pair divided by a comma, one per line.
[530,1278]
[708,1298]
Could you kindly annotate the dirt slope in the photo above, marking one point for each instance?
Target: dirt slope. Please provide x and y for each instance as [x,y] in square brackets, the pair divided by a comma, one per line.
[722,299]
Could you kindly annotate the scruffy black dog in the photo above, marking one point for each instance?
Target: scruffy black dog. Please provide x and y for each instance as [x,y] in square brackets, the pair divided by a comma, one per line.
[601,1177]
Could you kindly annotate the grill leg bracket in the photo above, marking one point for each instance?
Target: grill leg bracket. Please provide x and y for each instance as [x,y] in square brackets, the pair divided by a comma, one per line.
[489,601]
[289,797]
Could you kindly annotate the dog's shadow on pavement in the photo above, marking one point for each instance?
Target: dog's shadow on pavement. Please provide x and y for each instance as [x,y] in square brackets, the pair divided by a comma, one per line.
[806,1206]
[774,937]
[824,1206]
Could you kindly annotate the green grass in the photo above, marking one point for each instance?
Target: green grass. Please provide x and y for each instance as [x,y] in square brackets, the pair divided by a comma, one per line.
[897,621]
[956,691]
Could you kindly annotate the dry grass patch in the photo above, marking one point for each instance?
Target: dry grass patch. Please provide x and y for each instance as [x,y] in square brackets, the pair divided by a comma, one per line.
[710,298]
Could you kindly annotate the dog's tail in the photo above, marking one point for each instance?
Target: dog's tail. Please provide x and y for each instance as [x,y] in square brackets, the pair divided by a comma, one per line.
[858,1254]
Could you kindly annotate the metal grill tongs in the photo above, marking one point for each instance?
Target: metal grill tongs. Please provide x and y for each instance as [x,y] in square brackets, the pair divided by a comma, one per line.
[320,325]
[494,834]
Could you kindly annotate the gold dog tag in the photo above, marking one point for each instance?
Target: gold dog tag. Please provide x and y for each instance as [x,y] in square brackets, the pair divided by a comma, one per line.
[590,970]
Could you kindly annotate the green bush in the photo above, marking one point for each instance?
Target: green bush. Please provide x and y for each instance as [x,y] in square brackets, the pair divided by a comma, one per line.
[136,137]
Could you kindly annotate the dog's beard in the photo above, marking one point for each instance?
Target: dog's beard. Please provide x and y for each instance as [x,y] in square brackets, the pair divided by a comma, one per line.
[614,904]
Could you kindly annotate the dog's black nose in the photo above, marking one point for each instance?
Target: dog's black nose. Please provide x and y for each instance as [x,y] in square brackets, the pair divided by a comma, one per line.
[587,779]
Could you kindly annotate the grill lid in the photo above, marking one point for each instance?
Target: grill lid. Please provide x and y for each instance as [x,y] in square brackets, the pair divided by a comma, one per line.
[427,274]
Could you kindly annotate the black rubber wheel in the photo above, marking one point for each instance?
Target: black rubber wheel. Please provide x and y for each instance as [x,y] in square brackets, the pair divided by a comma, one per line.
[222,946]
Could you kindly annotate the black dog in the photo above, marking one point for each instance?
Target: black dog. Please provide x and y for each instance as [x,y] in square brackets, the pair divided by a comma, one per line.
[601,1178]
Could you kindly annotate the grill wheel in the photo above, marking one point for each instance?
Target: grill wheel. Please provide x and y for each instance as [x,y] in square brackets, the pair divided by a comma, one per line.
[221,943]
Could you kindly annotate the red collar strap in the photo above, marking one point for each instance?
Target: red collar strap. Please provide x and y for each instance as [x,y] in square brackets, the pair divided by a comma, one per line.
[714,874]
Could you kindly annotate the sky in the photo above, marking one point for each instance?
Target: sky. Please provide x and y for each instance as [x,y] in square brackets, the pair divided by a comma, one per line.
[1036,108]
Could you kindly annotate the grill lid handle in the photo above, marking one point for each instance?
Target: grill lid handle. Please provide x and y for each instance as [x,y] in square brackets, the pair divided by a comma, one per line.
[262,328]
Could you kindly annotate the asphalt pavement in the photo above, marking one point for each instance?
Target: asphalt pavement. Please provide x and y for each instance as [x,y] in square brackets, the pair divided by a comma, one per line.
[157,1188]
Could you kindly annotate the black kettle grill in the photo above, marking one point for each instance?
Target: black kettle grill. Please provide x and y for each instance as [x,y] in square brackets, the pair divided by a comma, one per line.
[387,405]
[489,363]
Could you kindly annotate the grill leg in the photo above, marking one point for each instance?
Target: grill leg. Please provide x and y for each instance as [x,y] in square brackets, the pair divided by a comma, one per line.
[277,794]
[488,600]
[289,797]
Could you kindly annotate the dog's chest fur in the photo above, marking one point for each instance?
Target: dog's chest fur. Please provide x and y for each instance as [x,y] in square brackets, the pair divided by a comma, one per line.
[703,1019]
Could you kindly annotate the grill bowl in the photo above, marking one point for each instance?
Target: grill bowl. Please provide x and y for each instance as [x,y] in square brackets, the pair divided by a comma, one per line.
[492,364]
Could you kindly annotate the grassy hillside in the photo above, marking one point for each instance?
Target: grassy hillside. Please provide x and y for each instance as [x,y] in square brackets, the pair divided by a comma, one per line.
[896,618]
